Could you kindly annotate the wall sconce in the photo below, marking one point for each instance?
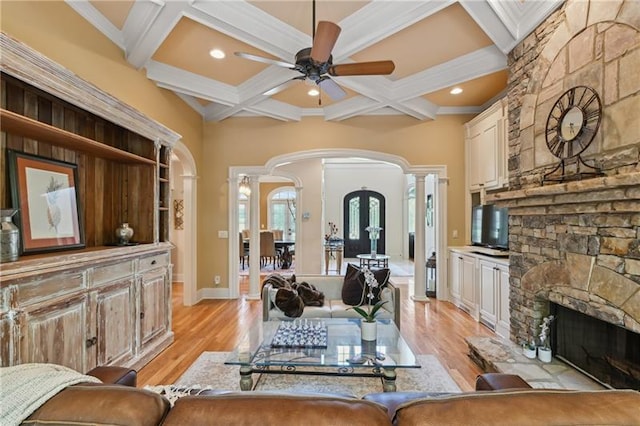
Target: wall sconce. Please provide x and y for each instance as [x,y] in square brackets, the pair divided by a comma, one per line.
[244,186]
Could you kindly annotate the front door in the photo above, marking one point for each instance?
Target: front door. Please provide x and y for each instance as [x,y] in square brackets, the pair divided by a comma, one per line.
[362,209]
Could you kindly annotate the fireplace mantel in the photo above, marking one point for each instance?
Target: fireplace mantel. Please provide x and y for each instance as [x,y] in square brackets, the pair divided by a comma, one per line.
[596,191]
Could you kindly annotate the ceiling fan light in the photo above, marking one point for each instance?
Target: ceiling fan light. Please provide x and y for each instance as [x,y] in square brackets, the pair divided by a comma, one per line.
[456,90]
[217,53]
[313,92]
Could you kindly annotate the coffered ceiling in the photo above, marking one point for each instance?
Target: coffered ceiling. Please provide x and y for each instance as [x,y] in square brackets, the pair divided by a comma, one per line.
[435,44]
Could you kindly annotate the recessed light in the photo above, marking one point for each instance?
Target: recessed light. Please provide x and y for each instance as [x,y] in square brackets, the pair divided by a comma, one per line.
[313,92]
[217,53]
[456,91]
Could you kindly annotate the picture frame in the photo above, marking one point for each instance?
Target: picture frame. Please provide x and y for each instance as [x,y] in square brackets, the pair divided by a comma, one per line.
[45,192]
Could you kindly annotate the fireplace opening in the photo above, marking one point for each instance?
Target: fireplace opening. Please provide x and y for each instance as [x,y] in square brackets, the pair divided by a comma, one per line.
[608,353]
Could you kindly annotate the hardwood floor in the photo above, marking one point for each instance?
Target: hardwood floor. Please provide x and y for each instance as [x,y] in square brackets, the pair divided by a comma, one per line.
[435,328]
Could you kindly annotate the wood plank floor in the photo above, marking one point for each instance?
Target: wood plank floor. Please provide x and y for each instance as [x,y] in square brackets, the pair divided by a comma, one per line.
[436,327]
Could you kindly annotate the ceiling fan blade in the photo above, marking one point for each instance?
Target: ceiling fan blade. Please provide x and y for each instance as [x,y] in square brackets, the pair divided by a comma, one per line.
[332,89]
[324,40]
[363,68]
[264,60]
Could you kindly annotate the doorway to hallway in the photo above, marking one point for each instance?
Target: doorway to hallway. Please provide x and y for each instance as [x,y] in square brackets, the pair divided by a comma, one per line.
[362,209]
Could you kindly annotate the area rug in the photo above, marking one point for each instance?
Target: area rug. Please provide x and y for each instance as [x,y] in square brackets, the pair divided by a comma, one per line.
[209,370]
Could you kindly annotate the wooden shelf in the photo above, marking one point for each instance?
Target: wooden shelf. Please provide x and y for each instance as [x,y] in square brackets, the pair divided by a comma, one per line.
[33,129]
[163,209]
[163,180]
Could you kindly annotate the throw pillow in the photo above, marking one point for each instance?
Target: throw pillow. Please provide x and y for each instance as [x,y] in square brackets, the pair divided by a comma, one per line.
[353,288]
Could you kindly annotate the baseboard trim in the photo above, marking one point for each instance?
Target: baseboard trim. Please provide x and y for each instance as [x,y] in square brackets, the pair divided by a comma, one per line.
[213,293]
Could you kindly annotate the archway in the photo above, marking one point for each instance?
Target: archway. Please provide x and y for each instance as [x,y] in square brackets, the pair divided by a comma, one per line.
[189,190]
[271,168]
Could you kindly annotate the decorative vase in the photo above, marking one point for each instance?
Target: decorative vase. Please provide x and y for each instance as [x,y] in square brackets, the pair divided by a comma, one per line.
[124,234]
[374,248]
[9,237]
[529,352]
[544,354]
[369,330]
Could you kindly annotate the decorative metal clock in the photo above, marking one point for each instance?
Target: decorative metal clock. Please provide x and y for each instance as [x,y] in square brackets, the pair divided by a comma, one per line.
[571,126]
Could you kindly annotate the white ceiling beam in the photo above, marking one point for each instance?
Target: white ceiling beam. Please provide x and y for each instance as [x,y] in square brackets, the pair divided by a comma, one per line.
[251,25]
[472,65]
[276,109]
[192,102]
[490,22]
[142,15]
[191,84]
[85,9]
[141,48]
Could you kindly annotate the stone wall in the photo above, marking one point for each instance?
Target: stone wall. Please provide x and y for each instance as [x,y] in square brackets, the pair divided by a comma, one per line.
[576,243]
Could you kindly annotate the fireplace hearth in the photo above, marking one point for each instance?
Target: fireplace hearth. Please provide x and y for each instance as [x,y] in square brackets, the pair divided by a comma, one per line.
[608,353]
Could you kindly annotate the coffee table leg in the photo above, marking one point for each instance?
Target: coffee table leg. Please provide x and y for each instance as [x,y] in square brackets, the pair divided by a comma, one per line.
[389,379]
[246,381]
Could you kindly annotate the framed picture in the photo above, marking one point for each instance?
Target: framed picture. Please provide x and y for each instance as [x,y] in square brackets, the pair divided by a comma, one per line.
[46,193]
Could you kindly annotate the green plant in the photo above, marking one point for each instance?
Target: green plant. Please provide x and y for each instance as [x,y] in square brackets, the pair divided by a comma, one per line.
[369,313]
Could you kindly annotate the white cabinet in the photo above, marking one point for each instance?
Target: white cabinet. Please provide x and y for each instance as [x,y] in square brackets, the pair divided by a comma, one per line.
[480,285]
[462,283]
[486,149]
[503,318]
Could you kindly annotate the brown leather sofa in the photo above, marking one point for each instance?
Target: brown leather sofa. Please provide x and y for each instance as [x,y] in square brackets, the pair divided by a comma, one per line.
[499,400]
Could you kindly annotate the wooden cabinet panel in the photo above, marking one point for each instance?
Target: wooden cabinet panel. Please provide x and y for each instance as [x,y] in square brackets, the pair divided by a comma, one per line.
[488,292]
[503,320]
[56,333]
[115,315]
[153,305]
[112,272]
[154,262]
[45,287]
[468,285]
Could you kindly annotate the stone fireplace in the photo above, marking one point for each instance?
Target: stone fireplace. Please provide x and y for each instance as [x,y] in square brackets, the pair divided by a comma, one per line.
[575,243]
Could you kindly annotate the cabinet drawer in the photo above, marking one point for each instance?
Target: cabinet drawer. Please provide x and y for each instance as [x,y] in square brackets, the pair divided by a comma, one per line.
[150,262]
[107,273]
[49,286]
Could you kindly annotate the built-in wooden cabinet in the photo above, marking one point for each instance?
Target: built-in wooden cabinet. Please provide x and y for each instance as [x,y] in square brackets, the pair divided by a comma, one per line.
[103,304]
[480,286]
[486,149]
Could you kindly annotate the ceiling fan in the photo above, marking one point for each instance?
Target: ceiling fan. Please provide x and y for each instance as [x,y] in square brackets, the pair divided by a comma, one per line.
[316,63]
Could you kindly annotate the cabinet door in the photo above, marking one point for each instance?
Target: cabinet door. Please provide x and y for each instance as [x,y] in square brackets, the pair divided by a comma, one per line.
[57,334]
[503,325]
[488,156]
[455,262]
[153,305]
[468,292]
[474,166]
[115,317]
[487,285]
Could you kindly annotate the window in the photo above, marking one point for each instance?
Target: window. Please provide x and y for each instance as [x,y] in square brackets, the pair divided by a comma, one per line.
[282,211]
[411,209]
[243,212]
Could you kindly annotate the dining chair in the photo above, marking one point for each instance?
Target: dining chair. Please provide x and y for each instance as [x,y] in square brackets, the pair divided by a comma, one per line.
[268,252]
[278,234]
[243,251]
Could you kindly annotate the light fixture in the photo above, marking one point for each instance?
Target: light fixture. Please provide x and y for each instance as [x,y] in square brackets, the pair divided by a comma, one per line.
[313,92]
[456,91]
[245,189]
[217,53]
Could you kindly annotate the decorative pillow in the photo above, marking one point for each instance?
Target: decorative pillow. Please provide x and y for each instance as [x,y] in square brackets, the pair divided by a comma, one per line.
[310,295]
[289,302]
[353,288]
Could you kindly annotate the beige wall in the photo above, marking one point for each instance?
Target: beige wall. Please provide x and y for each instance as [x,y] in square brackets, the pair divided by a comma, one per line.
[253,141]
[58,32]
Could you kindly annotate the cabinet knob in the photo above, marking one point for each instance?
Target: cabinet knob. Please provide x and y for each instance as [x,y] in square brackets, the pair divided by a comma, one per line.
[91,342]
[153,262]
[141,315]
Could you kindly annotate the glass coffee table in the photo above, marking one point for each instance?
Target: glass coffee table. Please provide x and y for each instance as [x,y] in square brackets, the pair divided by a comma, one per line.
[331,347]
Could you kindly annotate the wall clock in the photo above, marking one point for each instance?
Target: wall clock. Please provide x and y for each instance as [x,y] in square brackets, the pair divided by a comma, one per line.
[573,122]
[571,126]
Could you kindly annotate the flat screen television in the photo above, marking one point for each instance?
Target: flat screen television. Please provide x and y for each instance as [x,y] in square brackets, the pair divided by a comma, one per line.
[490,226]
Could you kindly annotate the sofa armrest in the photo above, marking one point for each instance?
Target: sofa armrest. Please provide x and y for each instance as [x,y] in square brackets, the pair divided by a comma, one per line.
[115,375]
[500,381]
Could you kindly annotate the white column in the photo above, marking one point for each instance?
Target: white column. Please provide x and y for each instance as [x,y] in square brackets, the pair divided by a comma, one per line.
[419,258]
[254,239]
[189,257]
